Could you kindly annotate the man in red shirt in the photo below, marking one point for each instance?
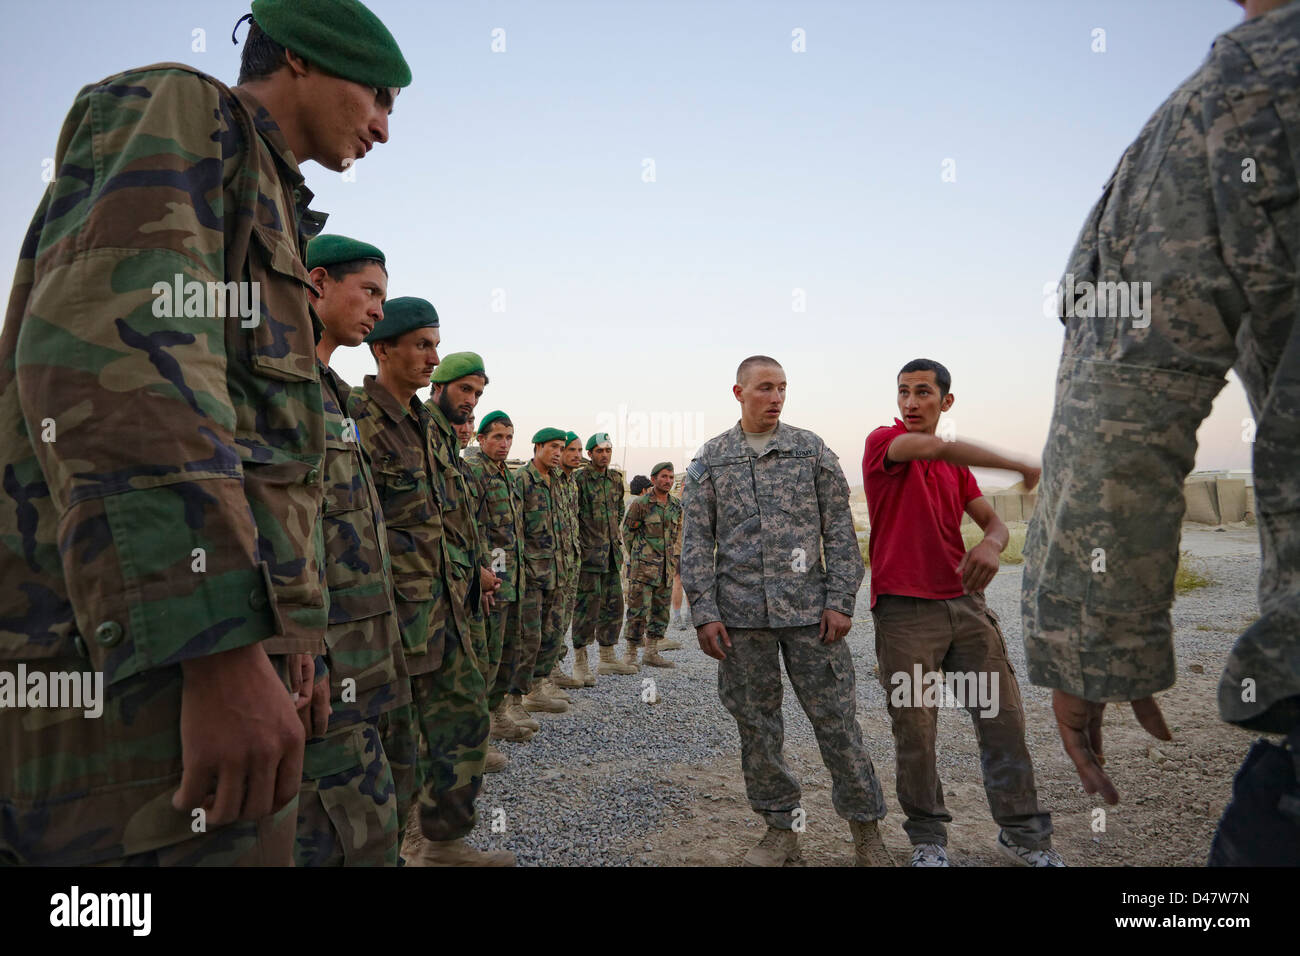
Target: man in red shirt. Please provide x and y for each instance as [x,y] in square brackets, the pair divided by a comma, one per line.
[937,642]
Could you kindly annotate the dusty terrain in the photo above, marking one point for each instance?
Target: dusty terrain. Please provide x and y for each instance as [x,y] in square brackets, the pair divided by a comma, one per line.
[617,780]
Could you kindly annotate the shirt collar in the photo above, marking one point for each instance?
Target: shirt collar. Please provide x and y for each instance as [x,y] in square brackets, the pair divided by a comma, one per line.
[738,444]
[387,401]
[310,223]
[439,418]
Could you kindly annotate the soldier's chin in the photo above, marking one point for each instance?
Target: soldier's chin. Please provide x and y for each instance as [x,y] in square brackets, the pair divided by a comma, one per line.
[341,164]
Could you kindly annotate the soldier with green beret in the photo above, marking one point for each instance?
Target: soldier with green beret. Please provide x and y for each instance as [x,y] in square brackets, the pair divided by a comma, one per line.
[171,538]
[458,385]
[652,529]
[498,510]
[598,610]
[539,612]
[567,491]
[429,586]
[348,808]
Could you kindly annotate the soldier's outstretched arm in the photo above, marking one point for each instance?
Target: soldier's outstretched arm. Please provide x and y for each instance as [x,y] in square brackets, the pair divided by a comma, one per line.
[1194,248]
[124,400]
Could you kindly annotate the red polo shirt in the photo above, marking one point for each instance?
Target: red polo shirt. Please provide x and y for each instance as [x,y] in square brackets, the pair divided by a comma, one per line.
[916,509]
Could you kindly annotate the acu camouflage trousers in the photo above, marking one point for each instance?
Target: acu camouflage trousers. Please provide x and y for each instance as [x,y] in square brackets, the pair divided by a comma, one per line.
[347,808]
[598,608]
[749,684]
[959,635]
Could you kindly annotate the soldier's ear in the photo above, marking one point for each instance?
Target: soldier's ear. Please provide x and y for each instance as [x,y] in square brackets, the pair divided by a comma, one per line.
[318,277]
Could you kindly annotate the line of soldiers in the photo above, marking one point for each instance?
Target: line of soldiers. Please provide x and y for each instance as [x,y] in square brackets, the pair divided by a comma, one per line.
[452,580]
[310,613]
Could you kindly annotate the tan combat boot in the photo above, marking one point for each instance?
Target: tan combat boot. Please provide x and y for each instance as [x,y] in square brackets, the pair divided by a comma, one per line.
[609,664]
[503,727]
[495,761]
[561,679]
[538,701]
[515,711]
[630,657]
[652,658]
[581,669]
[668,644]
[553,690]
[777,848]
[868,847]
[457,853]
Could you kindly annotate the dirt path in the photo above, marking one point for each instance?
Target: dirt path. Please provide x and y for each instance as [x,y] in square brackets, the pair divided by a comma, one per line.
[1172,794]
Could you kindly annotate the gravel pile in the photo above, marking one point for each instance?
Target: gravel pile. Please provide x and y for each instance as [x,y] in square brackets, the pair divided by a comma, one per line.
[594,780]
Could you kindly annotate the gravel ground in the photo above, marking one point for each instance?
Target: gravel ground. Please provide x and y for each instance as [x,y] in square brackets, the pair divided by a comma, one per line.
[598,784]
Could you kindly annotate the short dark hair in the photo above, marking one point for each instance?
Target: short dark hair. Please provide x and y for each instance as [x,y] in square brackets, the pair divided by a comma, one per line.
[261,55]
[752,362]
[639,484]
[941,376]
[339,271]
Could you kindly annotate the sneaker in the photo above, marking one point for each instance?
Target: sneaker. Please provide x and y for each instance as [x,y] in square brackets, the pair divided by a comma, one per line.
[929,854]
[1025,857]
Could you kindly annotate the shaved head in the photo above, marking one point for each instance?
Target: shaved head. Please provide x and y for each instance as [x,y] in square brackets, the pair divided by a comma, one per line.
[752,363]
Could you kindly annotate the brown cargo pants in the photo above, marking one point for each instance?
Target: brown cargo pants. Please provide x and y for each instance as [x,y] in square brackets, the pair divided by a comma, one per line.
[955,636]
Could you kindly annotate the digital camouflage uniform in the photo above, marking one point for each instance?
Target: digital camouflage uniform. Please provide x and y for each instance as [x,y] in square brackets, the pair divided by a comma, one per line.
[455,719]
[754,531]
[598,608]
[499,510]
[653,533]
[347,810]
[1203,207]
[539,611]
[161,475]
[568,557]
[395,441]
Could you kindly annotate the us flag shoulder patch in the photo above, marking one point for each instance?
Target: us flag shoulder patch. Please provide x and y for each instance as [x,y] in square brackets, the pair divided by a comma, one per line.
[697,470]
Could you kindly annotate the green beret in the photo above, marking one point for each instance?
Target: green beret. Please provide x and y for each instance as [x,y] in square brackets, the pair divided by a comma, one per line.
[547,434]
[402,315]
[458,365]
[486,422]
[597,439]
[660,467]
[570,438]
[340,36]
[331,250]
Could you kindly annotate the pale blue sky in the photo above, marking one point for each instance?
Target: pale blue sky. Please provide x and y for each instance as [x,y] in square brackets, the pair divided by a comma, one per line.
[522,171]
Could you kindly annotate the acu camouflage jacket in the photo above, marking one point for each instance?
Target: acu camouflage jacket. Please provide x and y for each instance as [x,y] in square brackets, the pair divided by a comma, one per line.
[756,528]
[1201,219]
